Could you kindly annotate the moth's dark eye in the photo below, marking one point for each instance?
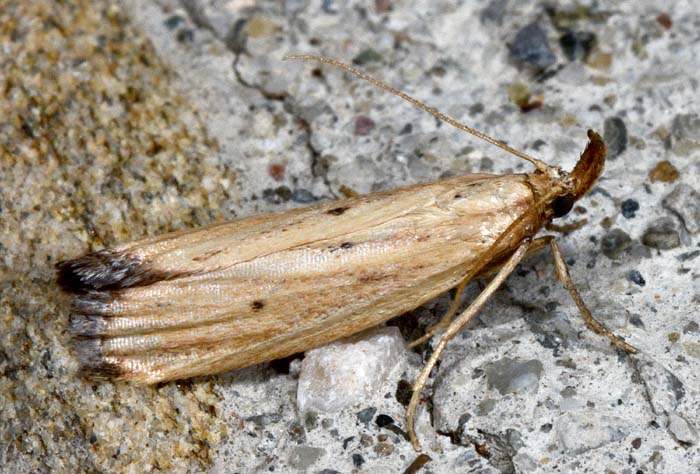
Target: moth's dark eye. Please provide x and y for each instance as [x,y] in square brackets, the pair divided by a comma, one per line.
[563,204]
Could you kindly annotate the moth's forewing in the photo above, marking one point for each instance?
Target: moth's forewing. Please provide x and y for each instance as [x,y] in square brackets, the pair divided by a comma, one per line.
[264,287]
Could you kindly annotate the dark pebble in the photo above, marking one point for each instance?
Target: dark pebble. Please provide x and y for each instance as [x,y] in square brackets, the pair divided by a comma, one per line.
[687,256]
[637,443]
[368,55]
[363,125]
[636,320]
[635,277]
[303,196]
[546,428]
[173,21]
[615,136]
[691,328]
[384,420]
[577,45]
[366,415]
[347,441]
[311,421]
[404,391]
[264,419]
[531,47]
[494,11]
[629,208]
[278,195]
[662,234]
[614,243]
[357,460]
[185,36]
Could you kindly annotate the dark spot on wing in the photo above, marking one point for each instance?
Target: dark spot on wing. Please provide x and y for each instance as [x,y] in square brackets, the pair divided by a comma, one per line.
[343,246]
[336,211]
[371,277]
[257,305]
[208,255]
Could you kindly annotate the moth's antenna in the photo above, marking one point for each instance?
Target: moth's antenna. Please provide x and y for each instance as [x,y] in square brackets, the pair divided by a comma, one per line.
[540,165]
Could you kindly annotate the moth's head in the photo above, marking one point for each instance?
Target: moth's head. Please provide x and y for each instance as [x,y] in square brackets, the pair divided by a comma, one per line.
[582,178]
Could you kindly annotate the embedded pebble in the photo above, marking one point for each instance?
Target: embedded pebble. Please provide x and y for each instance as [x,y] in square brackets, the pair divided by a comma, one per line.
[664,389]
[363,125]
[365,415]
[615,136]
[303,457]
[531,47]
[682,430]
[688,256]
[494,11]
[348,371]
[663,172]
[629,208]
[614,243]
[684,201]
[514,376]
[552,328]
[662,234]
[577,45]
[635,277]
[303,196]
[582,431]
[685,130]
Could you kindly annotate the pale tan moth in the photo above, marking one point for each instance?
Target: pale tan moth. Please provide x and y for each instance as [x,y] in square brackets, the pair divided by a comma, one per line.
[239,293]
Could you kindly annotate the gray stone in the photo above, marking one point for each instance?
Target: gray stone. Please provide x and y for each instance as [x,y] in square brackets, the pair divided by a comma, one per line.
[684,201]
[682,430]
[531,47]
[685,130]
[494,11]
[581,431]
[514,376]
[664,389]
[303,457]
[614,243]
[615,136]
[662,234]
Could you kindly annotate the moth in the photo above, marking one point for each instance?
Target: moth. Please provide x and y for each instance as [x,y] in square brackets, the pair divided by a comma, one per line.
[238,293]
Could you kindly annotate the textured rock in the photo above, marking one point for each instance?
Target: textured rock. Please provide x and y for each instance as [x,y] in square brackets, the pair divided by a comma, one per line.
[531,47]
[662,234]
[349,371]
[582,431]
[684,201]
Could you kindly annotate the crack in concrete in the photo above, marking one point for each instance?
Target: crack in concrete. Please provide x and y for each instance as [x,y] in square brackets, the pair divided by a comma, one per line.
[235,42]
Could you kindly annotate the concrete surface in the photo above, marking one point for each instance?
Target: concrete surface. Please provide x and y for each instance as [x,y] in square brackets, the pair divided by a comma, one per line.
[133,118]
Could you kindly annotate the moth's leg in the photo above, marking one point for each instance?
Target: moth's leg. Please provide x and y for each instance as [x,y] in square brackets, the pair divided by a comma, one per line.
[536,245]
[563,274]
[566,228]
[349,192]
[453,329]
[445,321]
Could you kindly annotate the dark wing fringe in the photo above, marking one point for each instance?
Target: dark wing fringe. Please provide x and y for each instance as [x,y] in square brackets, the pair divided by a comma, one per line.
[82,326]
[92,302]
[106,270]
[92,362]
